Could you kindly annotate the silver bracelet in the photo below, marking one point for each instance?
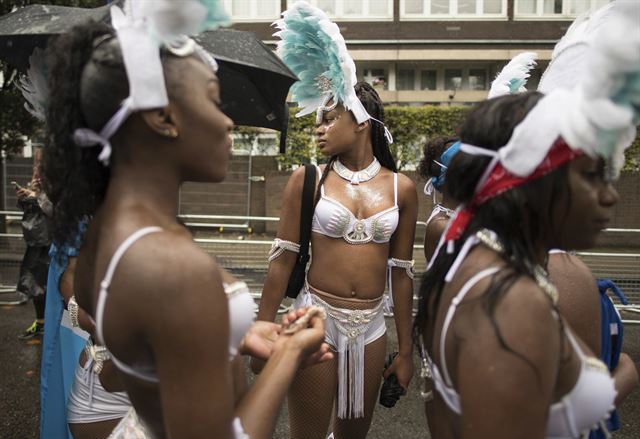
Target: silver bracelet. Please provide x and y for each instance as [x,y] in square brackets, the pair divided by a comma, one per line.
[73,308]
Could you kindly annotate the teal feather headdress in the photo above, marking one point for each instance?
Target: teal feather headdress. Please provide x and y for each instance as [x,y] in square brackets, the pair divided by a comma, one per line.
[313,48]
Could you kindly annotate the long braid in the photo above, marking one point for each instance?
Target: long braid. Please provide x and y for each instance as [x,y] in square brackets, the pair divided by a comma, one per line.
[323,178]
[373,104]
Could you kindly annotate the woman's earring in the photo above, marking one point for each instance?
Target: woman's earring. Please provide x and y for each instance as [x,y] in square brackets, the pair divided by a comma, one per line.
[171,133]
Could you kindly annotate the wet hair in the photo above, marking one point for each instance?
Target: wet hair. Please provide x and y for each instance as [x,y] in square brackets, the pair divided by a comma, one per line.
[373,104]
[431,152]
[521,217]
[87,83]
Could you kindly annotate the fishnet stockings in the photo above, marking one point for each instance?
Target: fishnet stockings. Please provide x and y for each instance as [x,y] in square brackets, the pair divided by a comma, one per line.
[93,430]
[314,391]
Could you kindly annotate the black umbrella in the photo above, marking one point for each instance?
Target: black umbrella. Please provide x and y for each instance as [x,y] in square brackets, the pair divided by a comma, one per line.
[254,81]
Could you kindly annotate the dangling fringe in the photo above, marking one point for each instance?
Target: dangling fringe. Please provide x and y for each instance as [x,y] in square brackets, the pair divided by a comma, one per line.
[351,378]
[387,307]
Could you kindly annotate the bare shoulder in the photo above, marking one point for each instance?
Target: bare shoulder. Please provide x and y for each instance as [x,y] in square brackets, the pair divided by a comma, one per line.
[526,315]
[407,191]
[405,184]
[565,267]
[166,265]
[295,183]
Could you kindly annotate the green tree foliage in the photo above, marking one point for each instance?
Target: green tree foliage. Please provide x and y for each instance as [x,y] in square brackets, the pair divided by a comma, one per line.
[410,127]
[16,124]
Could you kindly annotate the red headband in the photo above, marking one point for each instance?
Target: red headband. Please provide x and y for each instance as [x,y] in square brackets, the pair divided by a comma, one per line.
[500,180]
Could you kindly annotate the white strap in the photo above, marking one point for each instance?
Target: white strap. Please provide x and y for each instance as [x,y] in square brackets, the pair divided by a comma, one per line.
[476,150]
[451,311]
[85,137]
[108,277]
[395,189]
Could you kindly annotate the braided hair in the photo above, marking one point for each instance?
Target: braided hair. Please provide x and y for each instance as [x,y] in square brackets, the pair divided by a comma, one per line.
[87,82]
[521,217]
[74,180]
[373,104]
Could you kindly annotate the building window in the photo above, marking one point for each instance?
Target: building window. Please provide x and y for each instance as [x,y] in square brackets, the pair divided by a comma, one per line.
[477,79]
[555,8]
[437,9]
[377,77]
[452,79]
[428,80]
[253,10]
[406,79]
[354,9]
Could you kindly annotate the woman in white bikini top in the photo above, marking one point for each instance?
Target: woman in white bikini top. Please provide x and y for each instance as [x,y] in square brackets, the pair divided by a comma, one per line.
[158,299]
[504,363]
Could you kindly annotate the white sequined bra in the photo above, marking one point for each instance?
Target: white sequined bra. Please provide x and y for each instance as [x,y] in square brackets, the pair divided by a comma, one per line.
[331,218]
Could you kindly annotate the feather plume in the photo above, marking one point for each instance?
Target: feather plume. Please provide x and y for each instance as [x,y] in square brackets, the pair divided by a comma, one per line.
[313,48]
[599,58]
[513,77]
[569,57]
[34,86]
[170,20]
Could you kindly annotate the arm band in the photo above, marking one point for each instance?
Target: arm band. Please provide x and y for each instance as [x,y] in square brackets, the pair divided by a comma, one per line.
[279,246]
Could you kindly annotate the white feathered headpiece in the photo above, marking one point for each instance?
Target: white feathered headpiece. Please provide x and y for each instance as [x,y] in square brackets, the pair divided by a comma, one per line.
[513,77]
[143,27]
[34,86]
[313,48]
[599,114]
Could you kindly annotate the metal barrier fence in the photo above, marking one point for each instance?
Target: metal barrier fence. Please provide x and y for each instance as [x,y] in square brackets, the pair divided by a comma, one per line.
[246,256]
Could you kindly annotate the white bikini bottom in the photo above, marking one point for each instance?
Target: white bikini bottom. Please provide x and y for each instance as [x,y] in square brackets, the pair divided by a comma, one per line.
[348,331]
[90,402]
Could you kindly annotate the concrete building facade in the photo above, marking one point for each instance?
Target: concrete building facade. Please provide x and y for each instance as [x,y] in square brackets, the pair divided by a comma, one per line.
[431,51]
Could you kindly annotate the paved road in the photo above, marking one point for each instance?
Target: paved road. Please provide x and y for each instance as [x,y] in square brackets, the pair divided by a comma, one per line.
[19,392]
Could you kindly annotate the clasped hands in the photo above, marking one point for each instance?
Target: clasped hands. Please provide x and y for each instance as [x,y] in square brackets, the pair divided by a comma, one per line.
[264,338]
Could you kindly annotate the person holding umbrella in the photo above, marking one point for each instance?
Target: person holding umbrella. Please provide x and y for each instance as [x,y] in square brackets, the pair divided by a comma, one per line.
[362,231]
[128,121]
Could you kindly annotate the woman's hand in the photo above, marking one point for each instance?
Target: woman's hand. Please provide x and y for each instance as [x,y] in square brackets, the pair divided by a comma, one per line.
[310,341]
[23,193]
[402,367]
[259,340]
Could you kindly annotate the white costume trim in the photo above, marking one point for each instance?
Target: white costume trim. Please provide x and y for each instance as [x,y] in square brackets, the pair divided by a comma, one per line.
[279,246]
[348,331]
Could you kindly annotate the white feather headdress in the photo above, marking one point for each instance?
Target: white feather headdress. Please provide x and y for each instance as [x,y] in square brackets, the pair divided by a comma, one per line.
[34,86]
[513,77]
[142,27]
[599,114]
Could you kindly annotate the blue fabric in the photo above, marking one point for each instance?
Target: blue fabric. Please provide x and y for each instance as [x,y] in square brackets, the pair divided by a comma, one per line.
[445,159]
[61,349]
[611,344]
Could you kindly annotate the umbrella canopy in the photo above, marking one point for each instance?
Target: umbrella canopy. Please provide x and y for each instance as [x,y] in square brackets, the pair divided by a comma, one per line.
[254,81]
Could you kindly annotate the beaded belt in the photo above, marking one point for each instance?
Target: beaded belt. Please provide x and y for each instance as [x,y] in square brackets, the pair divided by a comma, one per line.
[98,354]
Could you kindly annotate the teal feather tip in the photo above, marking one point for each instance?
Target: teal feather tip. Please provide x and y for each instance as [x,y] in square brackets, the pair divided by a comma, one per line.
[216,15]
[312,54]
[515,84]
